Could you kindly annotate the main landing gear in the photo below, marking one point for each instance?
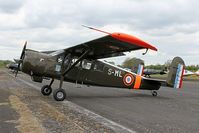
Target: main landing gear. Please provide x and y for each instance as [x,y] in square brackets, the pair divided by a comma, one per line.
[46,90]
[58,94]
[154,93]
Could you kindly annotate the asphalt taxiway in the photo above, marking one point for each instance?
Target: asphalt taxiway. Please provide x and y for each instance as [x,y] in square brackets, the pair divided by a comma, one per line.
[101,109]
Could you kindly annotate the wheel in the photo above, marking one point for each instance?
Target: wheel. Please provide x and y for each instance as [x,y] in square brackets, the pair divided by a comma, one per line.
[46,90]
[154,93]
[59,94]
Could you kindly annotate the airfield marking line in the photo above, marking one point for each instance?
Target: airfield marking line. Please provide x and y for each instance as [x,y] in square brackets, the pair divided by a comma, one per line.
[2,104]
[105,121]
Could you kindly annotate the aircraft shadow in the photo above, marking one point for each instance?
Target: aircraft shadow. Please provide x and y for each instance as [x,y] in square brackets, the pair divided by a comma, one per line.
[147,96]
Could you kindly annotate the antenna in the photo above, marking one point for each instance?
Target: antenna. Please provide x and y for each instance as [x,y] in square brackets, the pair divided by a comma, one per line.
[96,29]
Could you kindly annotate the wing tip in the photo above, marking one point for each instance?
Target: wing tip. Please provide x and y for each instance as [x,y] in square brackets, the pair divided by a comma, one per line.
[126,37]
[133,40]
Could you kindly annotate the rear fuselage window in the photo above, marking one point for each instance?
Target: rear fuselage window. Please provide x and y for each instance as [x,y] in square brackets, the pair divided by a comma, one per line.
[98,67]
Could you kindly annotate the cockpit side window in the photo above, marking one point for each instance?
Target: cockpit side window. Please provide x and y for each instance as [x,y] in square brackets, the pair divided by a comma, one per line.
[74,60]
[86,64]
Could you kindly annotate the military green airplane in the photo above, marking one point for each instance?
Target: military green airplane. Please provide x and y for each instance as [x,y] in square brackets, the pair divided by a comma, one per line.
[80,64]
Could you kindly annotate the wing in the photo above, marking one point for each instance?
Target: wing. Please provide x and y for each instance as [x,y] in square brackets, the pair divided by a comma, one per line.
[110,45]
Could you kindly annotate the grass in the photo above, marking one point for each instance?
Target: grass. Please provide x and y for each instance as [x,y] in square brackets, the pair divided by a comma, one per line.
[3,63]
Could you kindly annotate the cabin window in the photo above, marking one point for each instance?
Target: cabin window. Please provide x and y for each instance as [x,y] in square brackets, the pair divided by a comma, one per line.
[98,67]
[86,64]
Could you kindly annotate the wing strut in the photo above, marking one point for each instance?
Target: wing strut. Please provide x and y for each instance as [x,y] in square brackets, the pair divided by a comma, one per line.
[72,66]
[75,63]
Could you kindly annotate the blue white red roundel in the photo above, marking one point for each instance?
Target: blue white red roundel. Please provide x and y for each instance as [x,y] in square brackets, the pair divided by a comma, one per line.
[128,79]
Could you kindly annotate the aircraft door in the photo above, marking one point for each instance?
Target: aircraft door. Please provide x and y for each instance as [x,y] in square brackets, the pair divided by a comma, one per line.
[84,69]
[74,72]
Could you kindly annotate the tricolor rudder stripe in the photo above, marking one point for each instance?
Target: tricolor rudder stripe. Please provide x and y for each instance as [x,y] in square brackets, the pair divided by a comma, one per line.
[140,69]
[137,83]
[179,75]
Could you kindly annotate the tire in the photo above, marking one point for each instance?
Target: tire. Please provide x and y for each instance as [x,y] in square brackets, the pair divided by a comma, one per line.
[154,93]
[59,94]
[46,90]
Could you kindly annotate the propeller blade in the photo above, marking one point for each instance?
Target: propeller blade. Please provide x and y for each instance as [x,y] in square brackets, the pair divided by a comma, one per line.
[18,60]
[21,59]
[23,51]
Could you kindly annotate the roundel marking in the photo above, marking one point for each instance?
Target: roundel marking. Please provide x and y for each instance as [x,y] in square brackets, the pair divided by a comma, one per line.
[128,79]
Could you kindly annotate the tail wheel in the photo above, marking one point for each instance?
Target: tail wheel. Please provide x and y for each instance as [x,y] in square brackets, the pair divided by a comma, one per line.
[46,90]
[154,93]
[59,94]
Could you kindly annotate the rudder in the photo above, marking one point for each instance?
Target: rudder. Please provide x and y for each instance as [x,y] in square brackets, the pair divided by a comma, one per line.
[138,67]
[175,74]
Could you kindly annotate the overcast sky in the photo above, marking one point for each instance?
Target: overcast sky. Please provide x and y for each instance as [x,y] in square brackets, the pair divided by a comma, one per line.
[170,25]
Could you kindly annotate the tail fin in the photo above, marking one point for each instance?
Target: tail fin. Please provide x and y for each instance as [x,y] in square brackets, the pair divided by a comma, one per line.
[175,74]
[138,67]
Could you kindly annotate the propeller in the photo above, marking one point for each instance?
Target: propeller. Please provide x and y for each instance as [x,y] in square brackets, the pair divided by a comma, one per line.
[21,58]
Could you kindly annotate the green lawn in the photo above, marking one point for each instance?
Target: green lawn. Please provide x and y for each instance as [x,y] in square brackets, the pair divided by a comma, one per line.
[3,63]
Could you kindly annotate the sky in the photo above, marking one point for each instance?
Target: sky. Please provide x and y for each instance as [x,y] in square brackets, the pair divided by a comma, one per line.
[172,26]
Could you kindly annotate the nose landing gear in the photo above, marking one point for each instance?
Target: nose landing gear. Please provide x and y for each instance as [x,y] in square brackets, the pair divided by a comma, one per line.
[46,90]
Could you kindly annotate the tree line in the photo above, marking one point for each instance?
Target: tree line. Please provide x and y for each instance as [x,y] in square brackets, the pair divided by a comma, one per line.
[128,63]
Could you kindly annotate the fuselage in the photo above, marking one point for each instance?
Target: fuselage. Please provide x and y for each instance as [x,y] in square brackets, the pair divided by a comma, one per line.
[90,72]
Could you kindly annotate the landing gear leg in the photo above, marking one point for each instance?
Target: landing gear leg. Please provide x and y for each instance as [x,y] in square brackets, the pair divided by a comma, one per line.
[46,90]
[60,94]
[154,93]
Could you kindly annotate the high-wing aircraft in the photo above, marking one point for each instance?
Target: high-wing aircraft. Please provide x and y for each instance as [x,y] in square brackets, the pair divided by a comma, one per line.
[80,64]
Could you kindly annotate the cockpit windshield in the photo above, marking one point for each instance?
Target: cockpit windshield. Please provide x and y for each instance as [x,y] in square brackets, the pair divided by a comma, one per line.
[58,52]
